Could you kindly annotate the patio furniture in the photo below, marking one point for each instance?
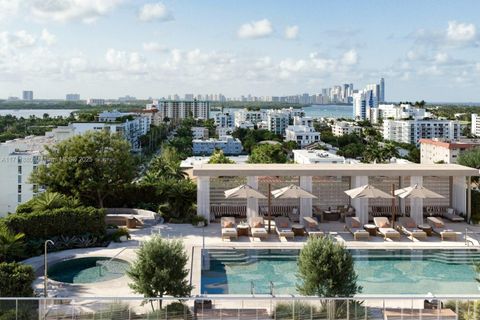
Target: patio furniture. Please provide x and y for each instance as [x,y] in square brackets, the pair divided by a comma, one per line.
[129,221]
[438,227]
[331,215]
[237,211]
[451,214]
[426,228]
[408,227]
[229,228]
[283,227]
[257,227]
[311,227]
[276,210]
[243,229]
[371,229]
[353,225]
[383,225]
[298,229]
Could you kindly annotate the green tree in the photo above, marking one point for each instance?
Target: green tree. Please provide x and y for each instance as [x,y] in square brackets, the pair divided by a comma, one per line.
[219,157]
[16,280]
[268,153]
[12,245]
[470,158]
[326,269]
[90,167]
[160,270]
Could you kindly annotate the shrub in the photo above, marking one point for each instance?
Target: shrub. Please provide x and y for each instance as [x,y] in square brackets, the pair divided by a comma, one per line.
[16,280]
[302,311]
[12,245]
[174,311]
[198,219]
[114,311]
[57,222]
[120,232]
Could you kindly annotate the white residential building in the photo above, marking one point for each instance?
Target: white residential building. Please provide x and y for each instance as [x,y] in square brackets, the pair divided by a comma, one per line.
[277,121]
[398,112]
[225,120]
[363,102]
[227,131]
[176,110]
[113,116]
[341,128]
[228,144]
[475,128]
[411,131]
[303,121]
[316,156]
[95,102]
[249,116]
[445,151]
[303,135]
[200,133]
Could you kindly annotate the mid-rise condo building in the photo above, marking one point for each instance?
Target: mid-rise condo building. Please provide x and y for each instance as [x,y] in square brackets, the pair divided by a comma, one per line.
[411,131]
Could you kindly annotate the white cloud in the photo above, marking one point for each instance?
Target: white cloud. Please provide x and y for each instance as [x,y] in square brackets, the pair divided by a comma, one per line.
[255,29]
[291,32]
[153,47]
[8,8]
[18,39]
[350,57]
[154,12]
[478,66]
[461,32]
[441,57]
[86,11]
[47,37]
[127,62]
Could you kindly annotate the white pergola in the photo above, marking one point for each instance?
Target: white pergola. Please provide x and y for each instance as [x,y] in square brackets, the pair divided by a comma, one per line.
[460,181]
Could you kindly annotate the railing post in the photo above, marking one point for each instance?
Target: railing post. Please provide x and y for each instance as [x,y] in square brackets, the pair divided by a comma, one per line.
[293,309]
[348,309]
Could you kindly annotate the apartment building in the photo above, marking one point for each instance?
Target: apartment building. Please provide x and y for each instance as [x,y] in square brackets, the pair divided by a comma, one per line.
[176,110]
[199,133]
[444,151]
[411,131]
[302,135]
[341,128]
[228,144]
[475,128]
[225,120]
[303,121]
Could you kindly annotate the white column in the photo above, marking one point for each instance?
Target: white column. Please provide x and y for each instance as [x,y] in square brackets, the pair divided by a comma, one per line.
[416,204]
[459,194]
[360,205]
[203,197]
[252,204]
[305,204]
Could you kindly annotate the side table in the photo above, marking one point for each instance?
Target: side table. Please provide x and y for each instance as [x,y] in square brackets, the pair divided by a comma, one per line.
[298,229]
[371,229]
[426,228]
[243,230]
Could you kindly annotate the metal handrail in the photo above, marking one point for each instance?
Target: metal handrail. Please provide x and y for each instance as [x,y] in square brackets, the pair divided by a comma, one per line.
[470,232]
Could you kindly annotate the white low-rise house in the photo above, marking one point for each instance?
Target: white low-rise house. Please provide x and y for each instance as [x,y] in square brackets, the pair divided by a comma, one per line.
[316,156]
[444,151]
[341,128]
[303,135]
[411,131]
[475,127]
[200,133]
[303,121]
[228,144]
[224,131]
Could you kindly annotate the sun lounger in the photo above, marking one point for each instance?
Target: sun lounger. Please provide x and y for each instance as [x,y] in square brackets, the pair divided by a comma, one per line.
[438,226]
[257,227]
[229,228]
[452,215]
[311,227]
[284,227]
[383,225]
[353,225]
[408,227]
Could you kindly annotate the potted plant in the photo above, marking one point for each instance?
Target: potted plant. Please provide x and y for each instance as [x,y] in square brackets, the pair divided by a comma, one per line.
[199,221]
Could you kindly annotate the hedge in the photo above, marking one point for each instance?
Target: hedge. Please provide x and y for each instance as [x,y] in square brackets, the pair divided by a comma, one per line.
[56,222]
[16,280]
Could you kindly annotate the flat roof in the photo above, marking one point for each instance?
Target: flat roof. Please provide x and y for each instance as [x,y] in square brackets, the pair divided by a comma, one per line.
[334,169]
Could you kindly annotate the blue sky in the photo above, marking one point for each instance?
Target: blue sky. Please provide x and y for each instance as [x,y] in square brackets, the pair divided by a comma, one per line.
[108,48]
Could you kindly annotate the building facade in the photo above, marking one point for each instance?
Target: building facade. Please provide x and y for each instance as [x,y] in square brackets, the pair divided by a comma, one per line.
[199,133]
[444,151]
[341,128]
[72,97]
[277,121]
[411,131]
[177,110]
[302,135]
[228,144]
[27,95]
[475,128]
[225,120]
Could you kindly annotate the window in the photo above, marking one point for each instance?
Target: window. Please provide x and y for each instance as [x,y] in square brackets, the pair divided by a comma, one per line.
[19,179]
[19,198]
[19,188]
[19,159]
[19,169]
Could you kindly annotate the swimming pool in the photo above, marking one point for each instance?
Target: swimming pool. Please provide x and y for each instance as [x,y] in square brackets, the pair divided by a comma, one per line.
[87,270]
[235,271]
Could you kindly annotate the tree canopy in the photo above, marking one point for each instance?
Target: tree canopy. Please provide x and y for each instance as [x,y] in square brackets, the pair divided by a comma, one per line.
[268,153]
[219,157]
[90,166]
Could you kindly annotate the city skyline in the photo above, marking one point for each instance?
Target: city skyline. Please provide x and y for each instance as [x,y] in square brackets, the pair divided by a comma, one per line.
[145,48]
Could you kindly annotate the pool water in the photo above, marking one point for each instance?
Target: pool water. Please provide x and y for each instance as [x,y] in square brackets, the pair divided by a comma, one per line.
[87,270]
[236,271]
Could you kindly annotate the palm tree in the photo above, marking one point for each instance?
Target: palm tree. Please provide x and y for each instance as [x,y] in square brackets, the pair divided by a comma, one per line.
[11,245]
[49,200]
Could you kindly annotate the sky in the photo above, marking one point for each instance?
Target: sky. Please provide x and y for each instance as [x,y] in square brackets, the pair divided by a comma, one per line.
[425,49]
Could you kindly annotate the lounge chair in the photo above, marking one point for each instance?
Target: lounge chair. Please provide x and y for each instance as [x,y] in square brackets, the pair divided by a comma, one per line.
[383,225]
[229,228]
[452,215]
[257,227]
[284,227]
[311,227]
[438,226]
[353,225]
[408,227]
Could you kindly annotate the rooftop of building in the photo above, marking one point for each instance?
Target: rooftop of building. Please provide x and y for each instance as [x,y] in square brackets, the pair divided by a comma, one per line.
[315,154]
[452,144]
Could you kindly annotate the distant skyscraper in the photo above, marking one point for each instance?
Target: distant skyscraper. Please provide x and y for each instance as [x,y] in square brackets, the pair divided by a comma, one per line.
[72,97]
[381,97]
[27,95]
